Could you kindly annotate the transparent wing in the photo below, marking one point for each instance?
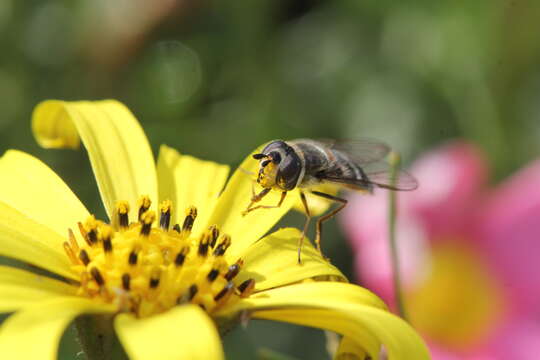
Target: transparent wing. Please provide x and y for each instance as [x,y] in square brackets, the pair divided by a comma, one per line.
[360,151]
[378,174]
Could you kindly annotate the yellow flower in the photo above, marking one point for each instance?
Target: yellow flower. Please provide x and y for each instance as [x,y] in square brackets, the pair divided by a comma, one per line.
[174,259]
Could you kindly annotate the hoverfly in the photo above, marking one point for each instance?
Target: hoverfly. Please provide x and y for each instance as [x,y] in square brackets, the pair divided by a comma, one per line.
[304,163]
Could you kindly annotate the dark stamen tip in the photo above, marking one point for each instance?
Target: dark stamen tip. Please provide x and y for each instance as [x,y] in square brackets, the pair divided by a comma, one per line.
[83,255]
[177,228]
[132,259]
[153,283]
[126,282]
[97,276]
[247,287]
[212,275]
[193,289]
[226,291]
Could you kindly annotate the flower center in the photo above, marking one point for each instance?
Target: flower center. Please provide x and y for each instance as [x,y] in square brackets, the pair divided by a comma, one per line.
[147,269]
[459,302]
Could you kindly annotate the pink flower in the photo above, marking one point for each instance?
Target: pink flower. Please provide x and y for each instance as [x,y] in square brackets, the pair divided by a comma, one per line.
[469,255]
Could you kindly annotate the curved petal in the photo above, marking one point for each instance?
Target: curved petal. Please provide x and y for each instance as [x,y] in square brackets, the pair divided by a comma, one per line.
[281,267]
[508,229]
[349,350]
[22,181]
[119,152]
[227,214]
[188,181]
[184,332]
[28,241]
[451,178]
[19,288]
[35,332]
[343,308]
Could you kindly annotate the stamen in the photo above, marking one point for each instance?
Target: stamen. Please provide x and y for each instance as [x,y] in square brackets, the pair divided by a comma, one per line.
[181,257]
[212,275]
[83,256]
[105,233]
[223,245]
[227,291]
[122,210]
[193,289]
[146,220]
[246,288]
[84,234]
[97,276]
[126,282]
[132,258]
[91,229]
[191,215]
[203,244]
[215,234]
[176,228]
[143,204]
[154,278]
[234,269]
[165,214]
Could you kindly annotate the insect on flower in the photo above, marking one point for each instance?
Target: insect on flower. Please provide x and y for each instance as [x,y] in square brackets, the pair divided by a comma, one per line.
[304,163]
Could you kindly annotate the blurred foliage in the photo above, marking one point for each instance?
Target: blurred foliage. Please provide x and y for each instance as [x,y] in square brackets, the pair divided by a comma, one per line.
[216,79]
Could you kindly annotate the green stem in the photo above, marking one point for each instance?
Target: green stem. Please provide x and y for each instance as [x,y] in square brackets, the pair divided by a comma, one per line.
[395,161]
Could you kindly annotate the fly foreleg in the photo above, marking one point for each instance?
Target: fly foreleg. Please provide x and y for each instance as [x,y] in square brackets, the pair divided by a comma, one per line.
[258,197]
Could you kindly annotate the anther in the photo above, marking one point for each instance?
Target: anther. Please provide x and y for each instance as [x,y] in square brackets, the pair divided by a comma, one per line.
[105,233]
[191,215]
[122,210]
[132,258]
[146,221]
[246,288]
[144,204]
[181,257]
[97,276]
[165,214]
[126,282]
[176,228]
[214,235]
[212,275]
[234,269]
[154,278]
[223,245]
[203,245]
[193,289]
[83,256]
[227,290]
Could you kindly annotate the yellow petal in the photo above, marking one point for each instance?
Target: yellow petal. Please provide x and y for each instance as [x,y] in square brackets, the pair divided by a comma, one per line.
[343,308]
[184,332]
[119,152]
[188,181]
[26,240]
[19,288]
[31,187]
[349,350]
[227,214]
[34,333]
[273,261]
[316,204]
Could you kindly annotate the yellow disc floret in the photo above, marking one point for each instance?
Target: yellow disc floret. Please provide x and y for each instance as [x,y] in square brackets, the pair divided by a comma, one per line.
[147,269]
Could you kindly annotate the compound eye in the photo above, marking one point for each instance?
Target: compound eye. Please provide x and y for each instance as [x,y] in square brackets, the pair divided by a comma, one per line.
[289,171]
[276,158]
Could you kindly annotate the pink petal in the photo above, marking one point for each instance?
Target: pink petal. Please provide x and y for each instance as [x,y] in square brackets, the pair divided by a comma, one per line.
[509,233]
[450,181]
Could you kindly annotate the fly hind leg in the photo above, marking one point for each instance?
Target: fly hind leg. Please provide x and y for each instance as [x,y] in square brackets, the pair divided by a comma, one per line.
[257,197]
[327,216]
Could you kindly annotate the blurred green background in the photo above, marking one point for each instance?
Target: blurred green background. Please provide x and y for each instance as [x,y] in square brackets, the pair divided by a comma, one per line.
[216,79]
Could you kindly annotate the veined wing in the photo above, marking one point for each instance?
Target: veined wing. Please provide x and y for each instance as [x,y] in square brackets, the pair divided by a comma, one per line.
[378,174]
[360,151]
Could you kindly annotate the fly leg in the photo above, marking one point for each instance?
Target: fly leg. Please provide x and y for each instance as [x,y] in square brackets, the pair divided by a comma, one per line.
[308,219]
[327,216]
[257,197]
